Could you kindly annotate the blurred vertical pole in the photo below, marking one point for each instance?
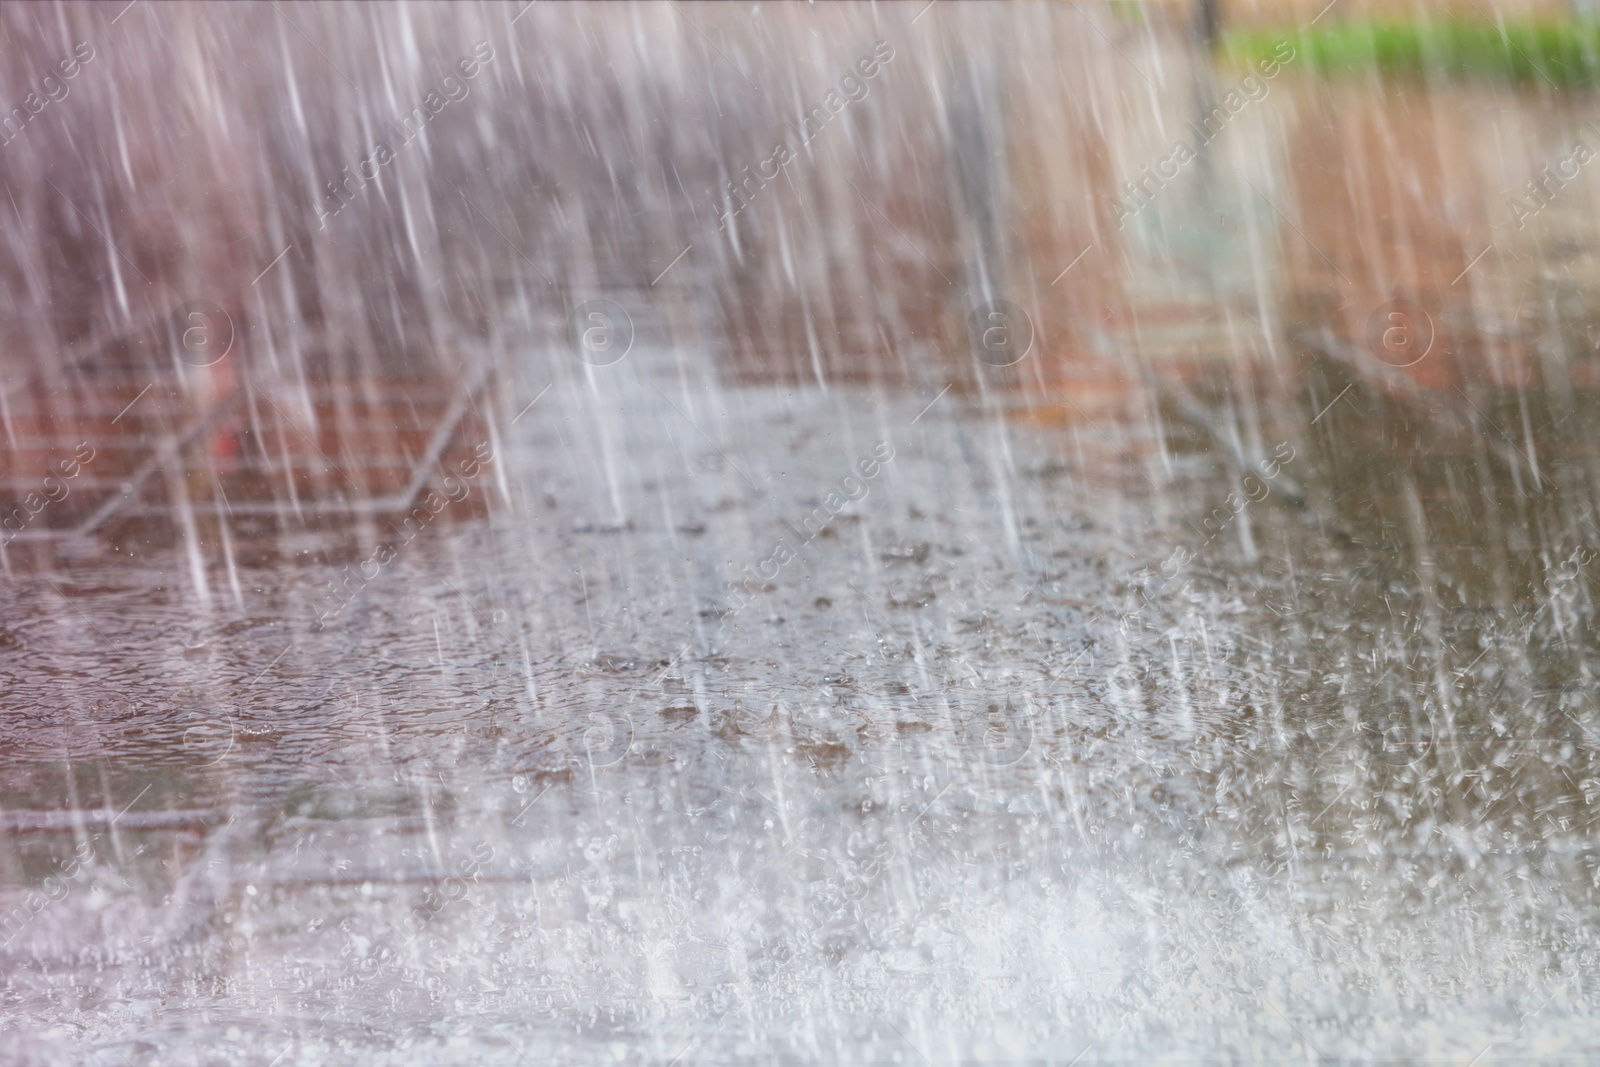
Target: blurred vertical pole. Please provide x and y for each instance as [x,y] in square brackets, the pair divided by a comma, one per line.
[975,116]
[1208,22]
[972,144]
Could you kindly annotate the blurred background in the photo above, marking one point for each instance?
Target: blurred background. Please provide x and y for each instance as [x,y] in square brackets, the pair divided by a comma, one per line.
[718,533]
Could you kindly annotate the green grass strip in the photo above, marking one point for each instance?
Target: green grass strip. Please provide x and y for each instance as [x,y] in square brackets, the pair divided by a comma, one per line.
[1561,54]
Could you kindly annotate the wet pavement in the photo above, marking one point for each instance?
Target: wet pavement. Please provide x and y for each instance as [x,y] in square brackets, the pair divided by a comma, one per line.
[428,661]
